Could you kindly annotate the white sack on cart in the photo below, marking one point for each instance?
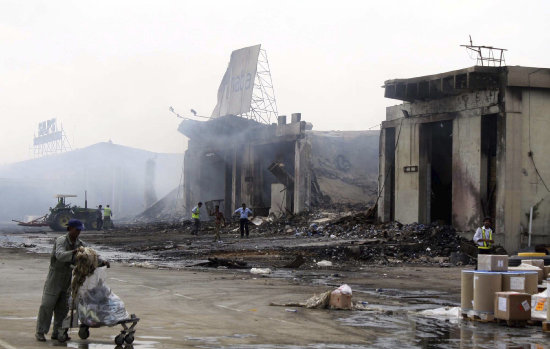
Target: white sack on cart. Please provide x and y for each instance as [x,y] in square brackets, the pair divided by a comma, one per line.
[97,305]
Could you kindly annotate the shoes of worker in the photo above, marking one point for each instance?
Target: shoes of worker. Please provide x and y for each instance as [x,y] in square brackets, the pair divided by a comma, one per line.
[40,337]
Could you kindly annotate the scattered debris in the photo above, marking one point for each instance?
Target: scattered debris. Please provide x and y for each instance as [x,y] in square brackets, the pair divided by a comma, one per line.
[444,312]
[260,271]
[332,299]
[221,262]
[296,263]
[324,263]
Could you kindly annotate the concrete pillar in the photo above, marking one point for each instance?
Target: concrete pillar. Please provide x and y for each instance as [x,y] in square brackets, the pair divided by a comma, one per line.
[191,177]
[512,183]
[467,210]
[228,174]
[281,120]
[247,174]
[509,167]
[296,117]
[302,175]
[406,184]
[236,179]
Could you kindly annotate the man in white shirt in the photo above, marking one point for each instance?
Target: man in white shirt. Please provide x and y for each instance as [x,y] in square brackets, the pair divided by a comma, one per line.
[243,213]
[483,237]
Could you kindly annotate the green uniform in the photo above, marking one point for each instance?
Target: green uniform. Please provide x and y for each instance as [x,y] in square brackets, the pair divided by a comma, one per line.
[107,213]
[55,298]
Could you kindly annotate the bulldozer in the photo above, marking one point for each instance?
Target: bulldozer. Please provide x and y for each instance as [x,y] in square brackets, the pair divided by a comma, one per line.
[59,216]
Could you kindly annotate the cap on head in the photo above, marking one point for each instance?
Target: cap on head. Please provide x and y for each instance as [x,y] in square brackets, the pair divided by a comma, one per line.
[75,223]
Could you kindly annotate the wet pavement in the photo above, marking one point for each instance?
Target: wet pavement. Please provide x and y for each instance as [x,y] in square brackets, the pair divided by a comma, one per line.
[223,308]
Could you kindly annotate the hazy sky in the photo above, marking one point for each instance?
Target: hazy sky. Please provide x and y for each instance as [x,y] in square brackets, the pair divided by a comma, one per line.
[110,69]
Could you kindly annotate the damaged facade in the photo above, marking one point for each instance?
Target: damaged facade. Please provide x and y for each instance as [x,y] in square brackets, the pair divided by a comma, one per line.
[467,144]
[278,168]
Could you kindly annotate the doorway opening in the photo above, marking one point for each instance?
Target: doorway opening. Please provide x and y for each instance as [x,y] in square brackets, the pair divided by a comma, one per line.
[389,180]
[436,165]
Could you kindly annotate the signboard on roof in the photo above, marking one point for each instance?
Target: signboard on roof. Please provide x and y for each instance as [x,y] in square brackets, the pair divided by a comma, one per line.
[235,91]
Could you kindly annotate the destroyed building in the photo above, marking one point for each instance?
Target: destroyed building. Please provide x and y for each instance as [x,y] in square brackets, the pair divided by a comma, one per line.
[278,168]
[466,144]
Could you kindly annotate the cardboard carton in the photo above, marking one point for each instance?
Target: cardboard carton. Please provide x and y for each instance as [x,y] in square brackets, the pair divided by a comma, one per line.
[339,300]
[467,290]
[512,306]
[485,285]
[492,262]
[520,281]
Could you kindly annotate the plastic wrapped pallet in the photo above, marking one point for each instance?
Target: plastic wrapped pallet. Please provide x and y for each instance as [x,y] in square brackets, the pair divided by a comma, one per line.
[539,306]
[485,286]
[536,262]
[467,290]
[520,281]
[529,267]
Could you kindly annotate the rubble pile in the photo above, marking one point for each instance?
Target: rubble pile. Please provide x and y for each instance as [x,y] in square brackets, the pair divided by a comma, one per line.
[390,243]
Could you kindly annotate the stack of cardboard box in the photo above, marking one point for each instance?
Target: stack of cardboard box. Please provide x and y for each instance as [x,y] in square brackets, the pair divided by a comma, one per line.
[494,291]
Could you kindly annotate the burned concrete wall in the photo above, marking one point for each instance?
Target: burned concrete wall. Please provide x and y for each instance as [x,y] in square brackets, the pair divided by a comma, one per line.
[527,181]
[280,168]
[345,164]
[497,134]
[228,161]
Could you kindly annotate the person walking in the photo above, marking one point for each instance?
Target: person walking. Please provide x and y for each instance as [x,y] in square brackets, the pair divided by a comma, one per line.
[55,297]
[219,219]
[196,215]
[99,218]
[244,213]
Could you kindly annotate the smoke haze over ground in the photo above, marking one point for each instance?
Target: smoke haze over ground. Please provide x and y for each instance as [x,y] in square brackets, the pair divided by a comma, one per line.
[111,70]
[112,174]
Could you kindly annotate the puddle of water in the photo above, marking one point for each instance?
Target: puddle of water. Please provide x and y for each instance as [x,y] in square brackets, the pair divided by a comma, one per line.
[405,330]
[87,344]
[17,318]
[42,243]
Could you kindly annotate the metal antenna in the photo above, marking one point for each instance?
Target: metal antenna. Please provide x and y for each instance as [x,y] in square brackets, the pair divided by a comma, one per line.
[263,107]
[487,56]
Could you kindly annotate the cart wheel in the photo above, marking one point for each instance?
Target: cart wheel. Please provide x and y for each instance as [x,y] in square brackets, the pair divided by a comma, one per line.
[84,332]
[129,338]
[63,337]
[119,340]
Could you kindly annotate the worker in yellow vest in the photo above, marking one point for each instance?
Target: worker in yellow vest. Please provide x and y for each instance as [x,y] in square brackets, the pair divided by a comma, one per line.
[196,216]
[107,214]
[483,237]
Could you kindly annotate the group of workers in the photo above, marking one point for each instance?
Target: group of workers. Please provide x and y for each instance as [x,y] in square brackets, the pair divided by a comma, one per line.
[55,296]
[243,212]
[103,217]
